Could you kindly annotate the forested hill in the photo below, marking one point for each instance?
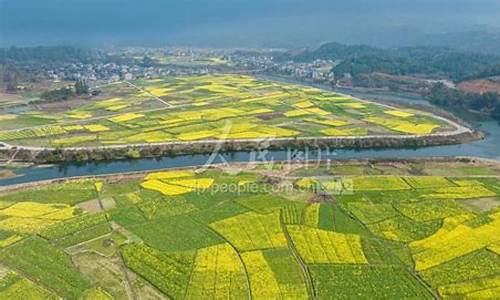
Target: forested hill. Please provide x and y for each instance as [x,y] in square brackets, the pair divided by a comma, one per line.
[486,103]
[430,61]
[336,51]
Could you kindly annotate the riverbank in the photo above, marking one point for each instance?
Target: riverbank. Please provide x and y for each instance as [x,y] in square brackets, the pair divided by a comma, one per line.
[437,162]
[64,155]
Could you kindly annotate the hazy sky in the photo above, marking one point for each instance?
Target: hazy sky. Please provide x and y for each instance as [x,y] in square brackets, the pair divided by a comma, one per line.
[230,23]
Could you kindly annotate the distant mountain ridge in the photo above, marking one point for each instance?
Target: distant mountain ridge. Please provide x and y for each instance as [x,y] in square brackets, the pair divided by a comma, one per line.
[44,54]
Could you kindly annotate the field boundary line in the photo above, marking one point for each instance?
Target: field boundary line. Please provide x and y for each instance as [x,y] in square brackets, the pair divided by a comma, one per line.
[151,94]
[305,270]
[402,264]
[235,250]
[129,286]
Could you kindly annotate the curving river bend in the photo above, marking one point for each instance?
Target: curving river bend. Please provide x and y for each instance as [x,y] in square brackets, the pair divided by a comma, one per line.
[487,148]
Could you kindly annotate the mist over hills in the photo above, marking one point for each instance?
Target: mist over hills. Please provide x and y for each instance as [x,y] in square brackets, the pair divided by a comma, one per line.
[465,24]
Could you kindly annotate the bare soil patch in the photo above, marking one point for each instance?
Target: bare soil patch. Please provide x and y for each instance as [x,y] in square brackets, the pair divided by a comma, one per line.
[7,174]
[321,198]
[9,98]
[481,85]
[482,205]
[270,116]
[91,206]
[62,106]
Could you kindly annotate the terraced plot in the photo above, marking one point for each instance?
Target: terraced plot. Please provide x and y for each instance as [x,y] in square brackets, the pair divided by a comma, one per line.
[211,107]
[389,238]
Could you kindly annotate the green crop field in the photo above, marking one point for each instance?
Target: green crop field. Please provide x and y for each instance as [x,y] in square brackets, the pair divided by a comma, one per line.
[381,236]
[211,107]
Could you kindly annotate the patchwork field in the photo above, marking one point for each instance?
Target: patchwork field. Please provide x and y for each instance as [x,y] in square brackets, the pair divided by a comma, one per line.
[328,233]
[211,107]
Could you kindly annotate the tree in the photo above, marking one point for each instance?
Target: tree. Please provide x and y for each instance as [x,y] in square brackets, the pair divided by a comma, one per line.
[81,87]
[11,78]
[57,95]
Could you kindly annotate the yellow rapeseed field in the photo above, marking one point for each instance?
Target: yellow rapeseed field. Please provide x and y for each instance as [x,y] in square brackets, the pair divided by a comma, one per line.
[171,120]
[126,117]
[303,104]
[218,274]
[321,246]
[98,186]
[61,214]
[244,135]
[74,128]
[197,135]
[307,183]
[30,209]
[117,107]
[25,225]
[447,244]
[403,126]
[24,289]
[354,105]
[328,122]
[96,128]
[198,183]
[251,231]
[169,174]
[495,247]
[311,215]
[379,183]
[317,111]
[417,129]
[399,113]
[109,102]
[262,281]
[337,132]
[80,115]
[150,137]
[156,91]
[269,131]
[164,188]
[297,113]
[460,192]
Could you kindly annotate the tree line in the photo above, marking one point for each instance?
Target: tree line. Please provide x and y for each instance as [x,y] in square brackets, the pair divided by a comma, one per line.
[65,93]
[488,103]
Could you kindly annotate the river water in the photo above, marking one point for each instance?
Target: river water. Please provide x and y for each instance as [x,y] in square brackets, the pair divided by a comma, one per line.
[487,148]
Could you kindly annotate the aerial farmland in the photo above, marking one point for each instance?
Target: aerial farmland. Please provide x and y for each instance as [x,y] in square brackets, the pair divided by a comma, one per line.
[210,108]
[349,230]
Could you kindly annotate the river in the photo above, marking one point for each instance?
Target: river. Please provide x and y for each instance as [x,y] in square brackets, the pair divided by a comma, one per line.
[487,148]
